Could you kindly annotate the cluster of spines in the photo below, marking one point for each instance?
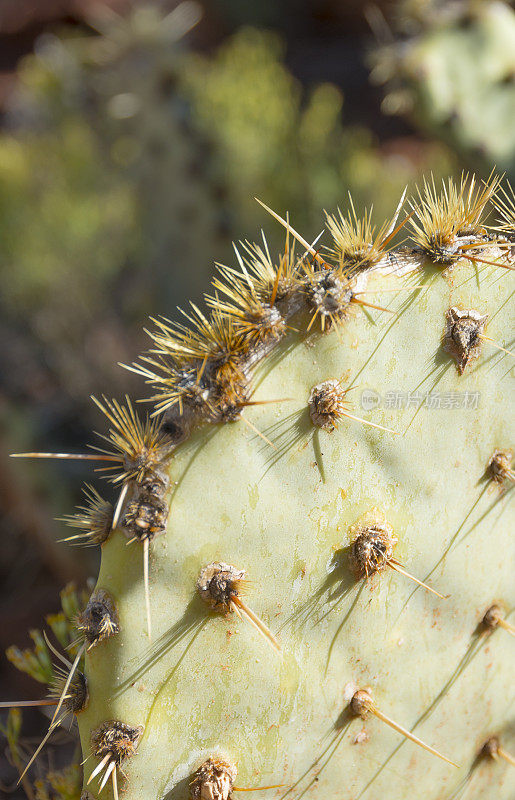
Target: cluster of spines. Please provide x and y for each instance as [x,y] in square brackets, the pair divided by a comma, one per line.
[450,225]
[202,371]
[94,519]
[68,687]
[113,742]
[504,203]
[138,452]
[357,246]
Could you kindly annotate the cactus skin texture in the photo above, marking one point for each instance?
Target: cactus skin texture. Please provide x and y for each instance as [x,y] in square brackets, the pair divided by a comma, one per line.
[286,511]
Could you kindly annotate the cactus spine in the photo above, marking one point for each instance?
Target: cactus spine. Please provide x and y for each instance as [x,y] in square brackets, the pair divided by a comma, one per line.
[274,491]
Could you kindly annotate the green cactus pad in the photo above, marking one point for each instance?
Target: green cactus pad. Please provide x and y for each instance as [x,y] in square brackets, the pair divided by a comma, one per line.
[210,685]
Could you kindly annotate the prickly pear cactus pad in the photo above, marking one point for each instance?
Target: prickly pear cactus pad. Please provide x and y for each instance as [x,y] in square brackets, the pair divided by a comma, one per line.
[313,530]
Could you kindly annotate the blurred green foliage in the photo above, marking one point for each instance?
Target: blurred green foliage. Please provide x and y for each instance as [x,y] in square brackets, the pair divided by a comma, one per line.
[67,221]
[290,148]
[65,784]
[38,661]
[138,160]
[11,731]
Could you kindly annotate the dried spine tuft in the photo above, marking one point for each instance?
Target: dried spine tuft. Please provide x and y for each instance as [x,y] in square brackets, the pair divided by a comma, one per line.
[254,294]
[214,780]
[328,294]
[362,704]
[444,226]
[500,468]
[139,446]
[113,742]
[463,333]
[356,245]
[494,618]
[372,546]
[146,513]
[116,739]
[327,403]
[373,542]
[99,619]
[219,584]
[75,696]
[95,519]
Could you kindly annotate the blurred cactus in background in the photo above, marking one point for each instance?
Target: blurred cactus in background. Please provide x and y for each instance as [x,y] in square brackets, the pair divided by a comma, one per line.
[450,67]
[289,148]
